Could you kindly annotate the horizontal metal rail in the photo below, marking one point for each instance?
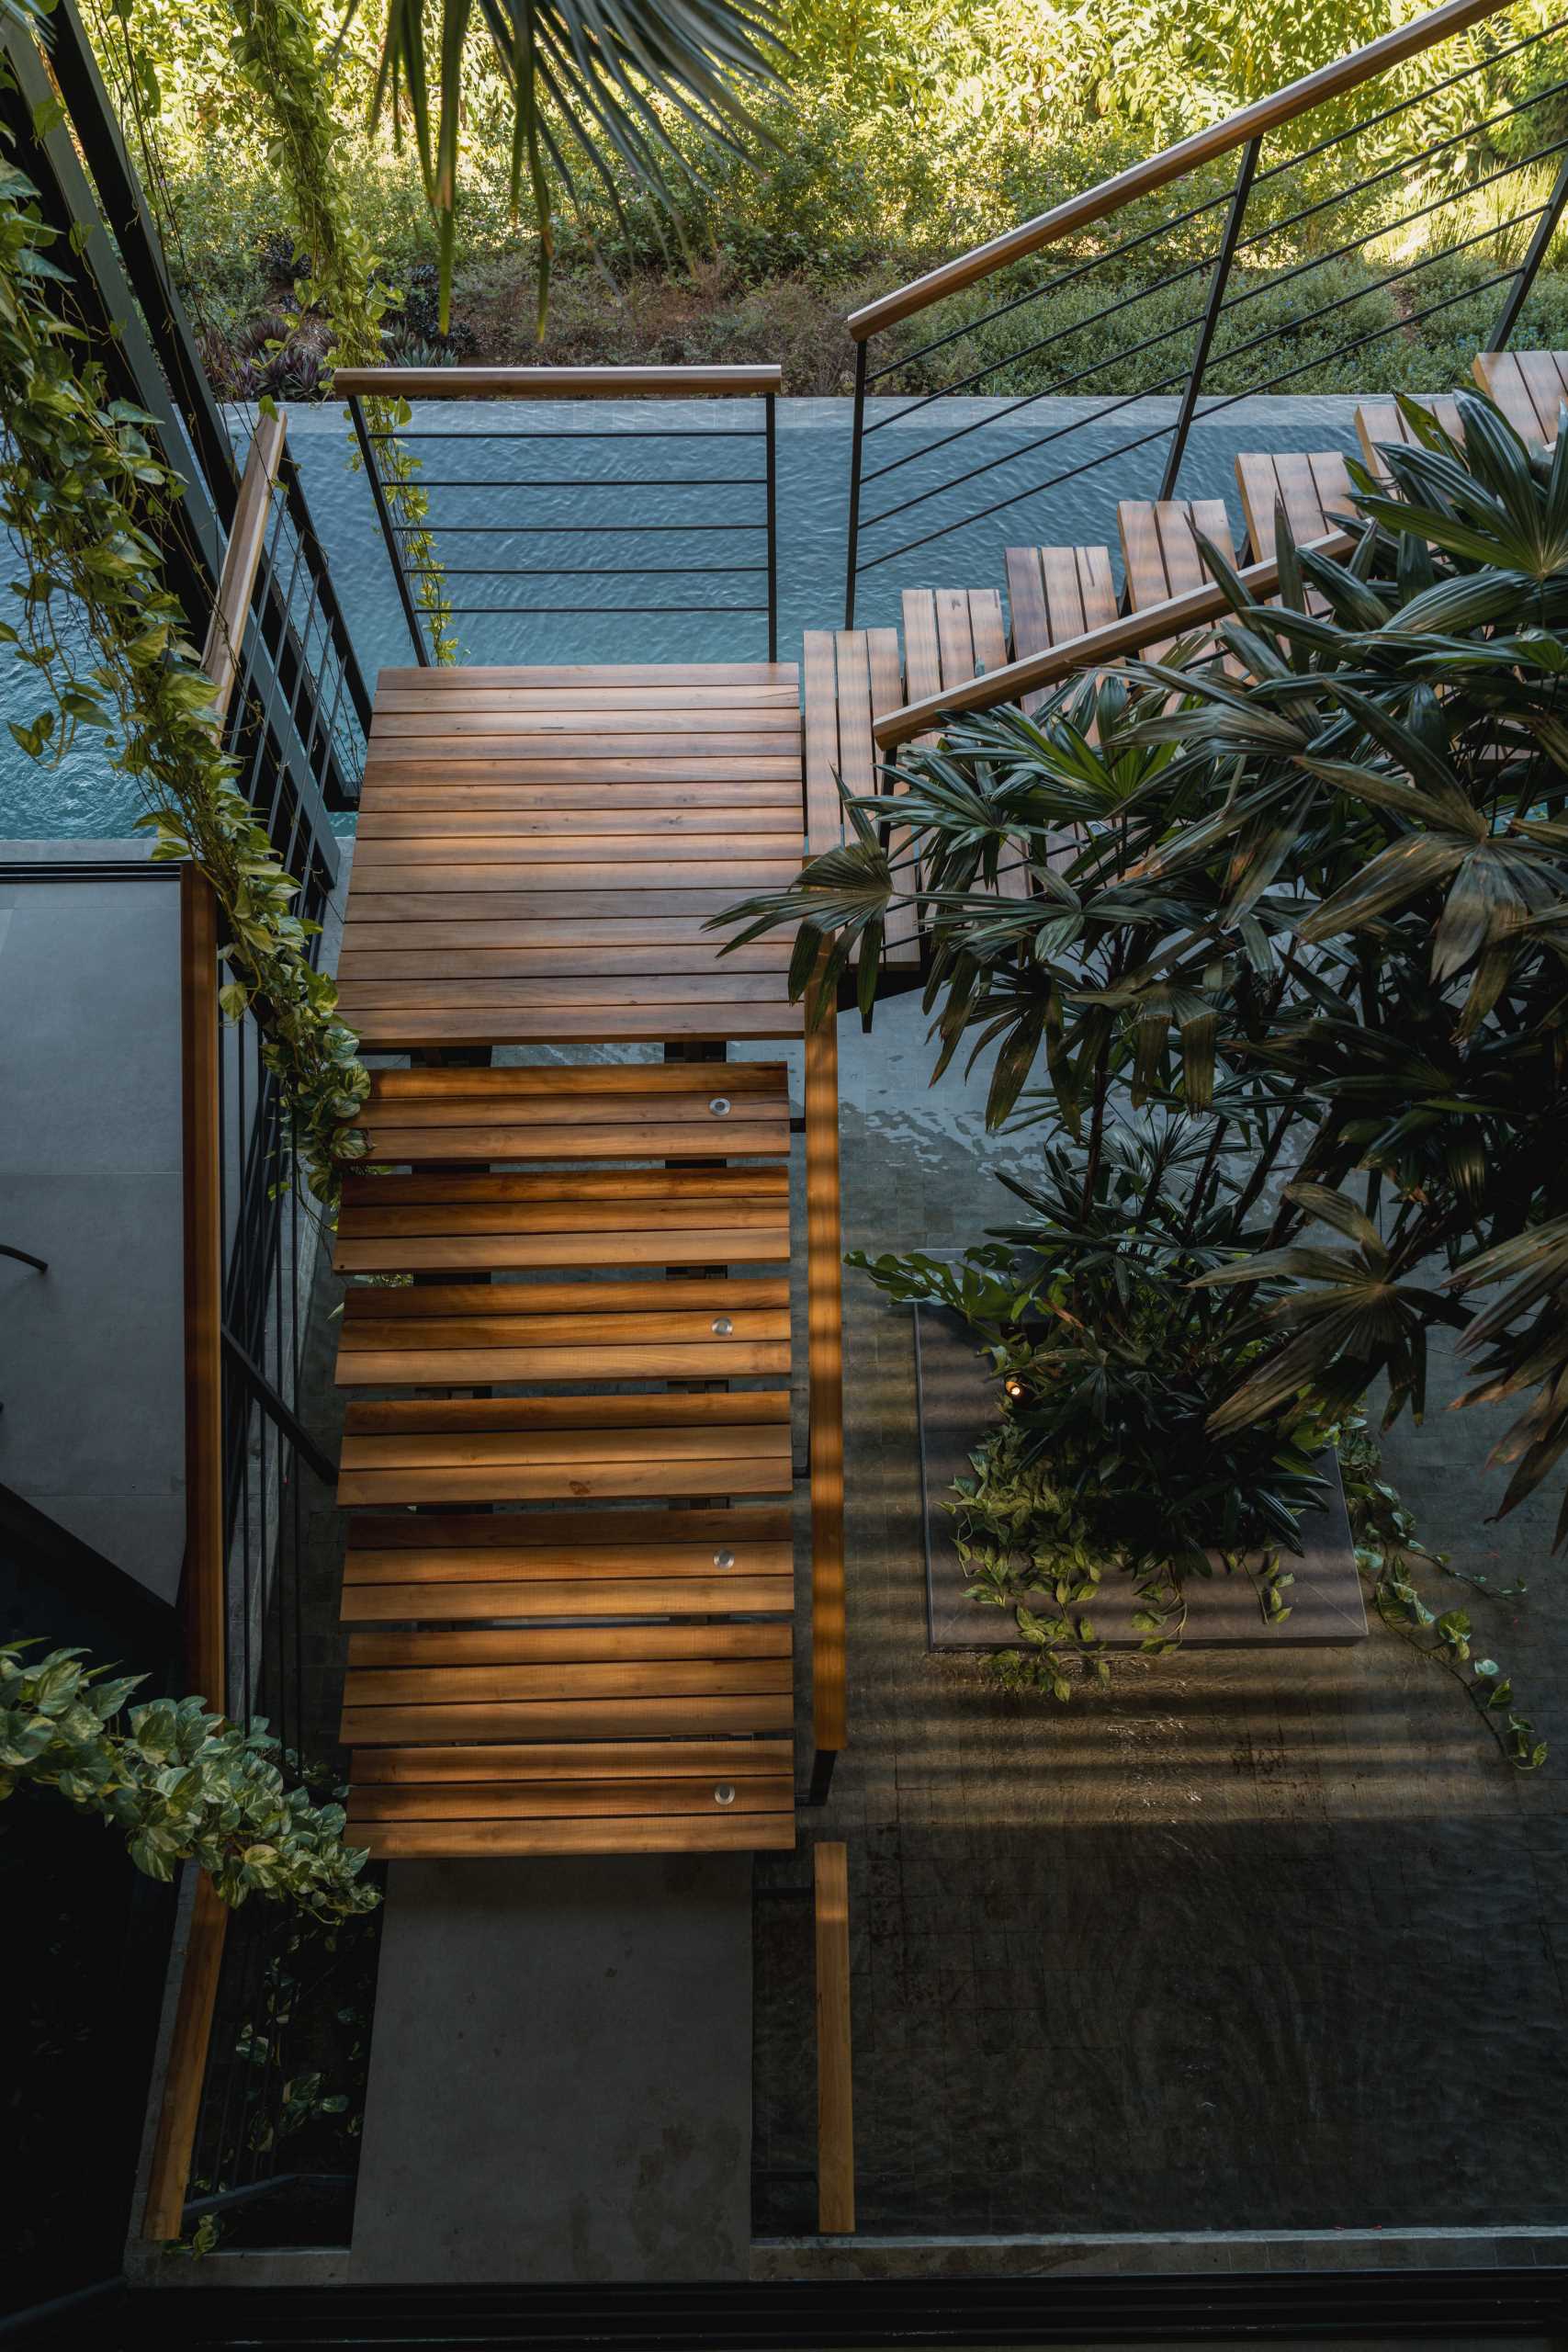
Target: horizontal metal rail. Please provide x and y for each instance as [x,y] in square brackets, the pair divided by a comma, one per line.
[1405,206]
[413,567]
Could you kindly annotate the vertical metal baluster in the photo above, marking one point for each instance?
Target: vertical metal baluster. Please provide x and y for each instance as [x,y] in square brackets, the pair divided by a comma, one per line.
[394,546]
[853,556]
[1212,311]
[1535,254]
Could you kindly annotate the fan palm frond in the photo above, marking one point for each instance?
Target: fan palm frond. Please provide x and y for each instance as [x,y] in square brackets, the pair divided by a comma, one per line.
[594,83]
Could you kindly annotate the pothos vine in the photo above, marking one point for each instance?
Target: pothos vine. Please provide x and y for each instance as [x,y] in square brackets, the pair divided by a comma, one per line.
[278,51]
[88,502]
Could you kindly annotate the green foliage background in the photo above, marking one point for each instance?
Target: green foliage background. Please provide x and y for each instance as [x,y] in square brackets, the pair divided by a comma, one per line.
[905,135]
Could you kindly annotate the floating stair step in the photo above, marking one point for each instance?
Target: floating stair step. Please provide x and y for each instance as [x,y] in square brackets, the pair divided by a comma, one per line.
[722,1216]
[951,635]
[565,1449]
[850,675]
[631,1111]
[412,1565]
[1530,387]
[737,1831]
[1378,423]
[1159,548]
[485,1335]
[1056,594]
[1312,488]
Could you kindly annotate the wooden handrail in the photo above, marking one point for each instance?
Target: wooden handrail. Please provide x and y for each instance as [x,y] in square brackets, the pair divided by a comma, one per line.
[226,632]
[203,1588]
[1158,171]
[1127,634]
[554,383]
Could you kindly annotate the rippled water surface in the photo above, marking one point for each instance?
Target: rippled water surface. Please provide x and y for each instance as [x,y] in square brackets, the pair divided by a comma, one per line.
[81,796]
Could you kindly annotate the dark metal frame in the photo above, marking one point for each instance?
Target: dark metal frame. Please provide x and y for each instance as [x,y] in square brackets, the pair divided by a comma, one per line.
[1246,224]
[394,533]
[951,2310]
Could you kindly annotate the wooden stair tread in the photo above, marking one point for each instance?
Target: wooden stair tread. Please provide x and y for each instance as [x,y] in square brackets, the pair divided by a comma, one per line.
[1530,387]
[1384,420]
[734,1832]
[1313,487]
[951,635]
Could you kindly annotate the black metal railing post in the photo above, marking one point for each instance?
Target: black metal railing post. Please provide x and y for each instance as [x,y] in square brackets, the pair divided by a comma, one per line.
[857,440]
[1535,254]
[770,431]
[389,530]
[1212,309]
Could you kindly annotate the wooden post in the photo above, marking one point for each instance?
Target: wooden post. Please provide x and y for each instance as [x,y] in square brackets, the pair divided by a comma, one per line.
[835,2103]
[203,1584]
[202,1595]
[825,1382]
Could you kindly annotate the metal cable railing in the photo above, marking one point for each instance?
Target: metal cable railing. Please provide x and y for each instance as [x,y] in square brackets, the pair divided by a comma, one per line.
[716,539]
[235,2117]
[1310,240]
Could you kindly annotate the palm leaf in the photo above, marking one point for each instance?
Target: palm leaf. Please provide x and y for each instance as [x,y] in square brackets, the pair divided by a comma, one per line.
[593,77]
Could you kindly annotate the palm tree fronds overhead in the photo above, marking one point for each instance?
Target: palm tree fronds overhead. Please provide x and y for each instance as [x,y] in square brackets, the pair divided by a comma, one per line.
[591,80]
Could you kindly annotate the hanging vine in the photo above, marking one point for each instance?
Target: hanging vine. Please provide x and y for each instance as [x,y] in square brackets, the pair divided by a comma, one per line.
[89,502]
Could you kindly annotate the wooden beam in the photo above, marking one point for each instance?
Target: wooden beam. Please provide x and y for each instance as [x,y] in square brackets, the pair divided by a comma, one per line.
[1127,635]
[835,2093]
[825,1384]
[222,653]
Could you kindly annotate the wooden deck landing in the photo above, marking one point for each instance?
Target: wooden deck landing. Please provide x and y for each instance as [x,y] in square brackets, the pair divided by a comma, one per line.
[538,850]
[567,1336]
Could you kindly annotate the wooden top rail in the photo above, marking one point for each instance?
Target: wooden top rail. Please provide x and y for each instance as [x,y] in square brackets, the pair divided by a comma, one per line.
[220,656]
[1128,634]
[1158,171]
[554,383]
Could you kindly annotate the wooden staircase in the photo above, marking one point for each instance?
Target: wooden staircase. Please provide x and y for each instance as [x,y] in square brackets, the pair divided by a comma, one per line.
[567,1336]
[1064,615]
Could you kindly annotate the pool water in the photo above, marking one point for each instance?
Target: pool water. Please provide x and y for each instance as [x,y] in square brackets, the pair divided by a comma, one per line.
[81,796]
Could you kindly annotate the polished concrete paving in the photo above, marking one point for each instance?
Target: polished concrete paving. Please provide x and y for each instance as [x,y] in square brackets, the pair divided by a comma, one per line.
[560,2072]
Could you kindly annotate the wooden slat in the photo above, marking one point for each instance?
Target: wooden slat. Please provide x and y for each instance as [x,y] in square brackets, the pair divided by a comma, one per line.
[479,1800]
[726,1833]
[382,1603]
[552,1543]
[835,2092]
[509,1646]
[686,1715]
[601,1759]
[1307,486]
[398,1028]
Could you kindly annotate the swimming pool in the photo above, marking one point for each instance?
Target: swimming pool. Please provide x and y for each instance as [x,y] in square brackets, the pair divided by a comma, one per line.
[83,797]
